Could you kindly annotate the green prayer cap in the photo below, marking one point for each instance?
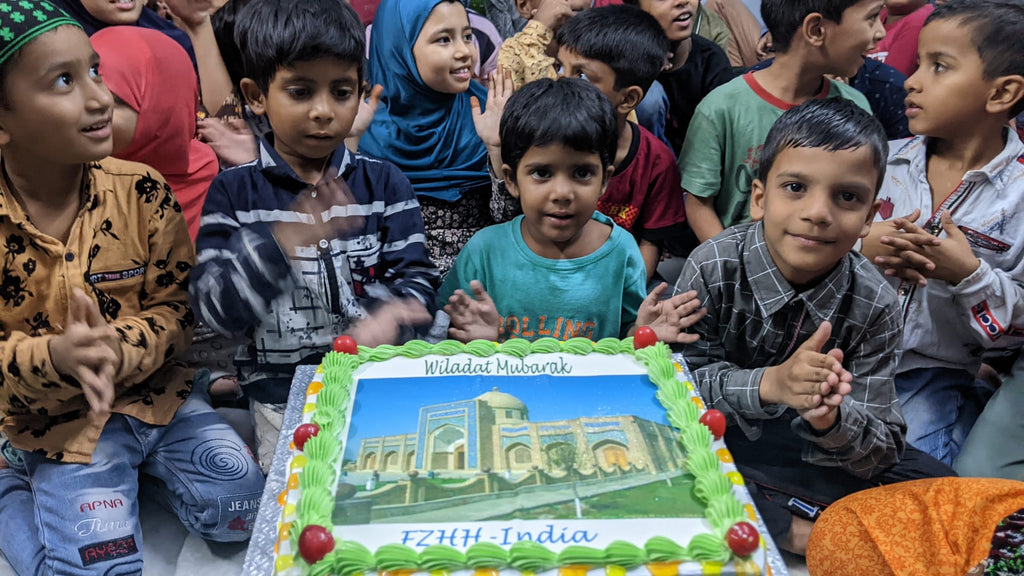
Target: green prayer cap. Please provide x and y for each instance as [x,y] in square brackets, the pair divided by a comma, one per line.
[21,21]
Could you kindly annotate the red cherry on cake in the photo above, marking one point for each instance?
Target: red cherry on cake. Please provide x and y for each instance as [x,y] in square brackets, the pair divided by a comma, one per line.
[742,538]
[715,421]
[303,433]
[644,337]
[346,345]
[315,542]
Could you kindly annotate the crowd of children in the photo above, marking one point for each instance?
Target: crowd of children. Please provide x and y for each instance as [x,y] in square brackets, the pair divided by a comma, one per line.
[267,175]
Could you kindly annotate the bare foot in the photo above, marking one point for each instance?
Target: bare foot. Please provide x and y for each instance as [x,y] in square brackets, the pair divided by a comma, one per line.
[796,540]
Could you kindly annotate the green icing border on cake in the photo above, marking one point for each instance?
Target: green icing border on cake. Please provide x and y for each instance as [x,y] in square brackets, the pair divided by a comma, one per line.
[316,503]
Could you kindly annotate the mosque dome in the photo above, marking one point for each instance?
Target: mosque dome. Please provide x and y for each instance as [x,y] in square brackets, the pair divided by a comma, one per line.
[501,401]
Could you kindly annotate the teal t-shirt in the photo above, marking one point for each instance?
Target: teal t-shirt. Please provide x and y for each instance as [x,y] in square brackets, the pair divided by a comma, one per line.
[723,143]
[596,296]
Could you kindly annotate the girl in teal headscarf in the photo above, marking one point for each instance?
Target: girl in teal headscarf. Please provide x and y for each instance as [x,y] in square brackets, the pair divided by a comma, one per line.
[421,52]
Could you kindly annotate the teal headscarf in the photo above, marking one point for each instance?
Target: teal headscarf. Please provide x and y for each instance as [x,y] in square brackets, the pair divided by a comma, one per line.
[427,134]
[23,21]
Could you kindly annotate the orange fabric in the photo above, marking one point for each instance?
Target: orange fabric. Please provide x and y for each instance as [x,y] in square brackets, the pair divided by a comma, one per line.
[938,526]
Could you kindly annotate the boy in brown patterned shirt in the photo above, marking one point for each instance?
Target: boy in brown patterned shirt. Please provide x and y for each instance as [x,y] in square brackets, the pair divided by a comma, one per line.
[93,309]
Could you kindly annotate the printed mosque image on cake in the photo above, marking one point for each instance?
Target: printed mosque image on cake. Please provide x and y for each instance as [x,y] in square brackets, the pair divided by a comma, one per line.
[466,448]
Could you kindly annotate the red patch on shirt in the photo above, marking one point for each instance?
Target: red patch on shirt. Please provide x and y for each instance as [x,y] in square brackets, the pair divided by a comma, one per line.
[983,316]
[886,208]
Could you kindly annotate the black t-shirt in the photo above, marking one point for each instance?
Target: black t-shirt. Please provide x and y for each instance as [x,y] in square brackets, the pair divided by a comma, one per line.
[706,68]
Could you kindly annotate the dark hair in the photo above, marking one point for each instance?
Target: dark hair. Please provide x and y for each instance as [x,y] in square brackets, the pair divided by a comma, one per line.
[224,21]
[568,111]
[627,39]
[996,27]
[784,17]
[273,34]
[830,123]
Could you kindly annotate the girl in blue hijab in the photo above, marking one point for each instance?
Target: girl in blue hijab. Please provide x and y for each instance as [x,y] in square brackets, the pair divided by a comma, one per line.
[421,52]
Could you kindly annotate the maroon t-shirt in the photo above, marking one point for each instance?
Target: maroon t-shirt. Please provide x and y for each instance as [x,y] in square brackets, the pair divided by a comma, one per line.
[644,196]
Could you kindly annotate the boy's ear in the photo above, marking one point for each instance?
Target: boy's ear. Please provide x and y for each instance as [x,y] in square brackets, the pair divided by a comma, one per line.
[510,183]
[631,97]
[254,97]
[1006,92]
[525,8]
[608,171]
[813,29]
[871,216]
[757,200]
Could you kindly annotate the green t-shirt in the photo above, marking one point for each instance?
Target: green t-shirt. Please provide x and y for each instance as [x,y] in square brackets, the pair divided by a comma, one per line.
[596,296]
[723,143]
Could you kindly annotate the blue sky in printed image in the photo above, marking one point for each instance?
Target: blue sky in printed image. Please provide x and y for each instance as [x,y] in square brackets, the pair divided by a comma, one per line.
[391,406]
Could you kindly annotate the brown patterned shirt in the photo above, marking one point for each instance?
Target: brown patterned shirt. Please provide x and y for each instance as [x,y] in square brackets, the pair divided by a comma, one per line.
[128,249]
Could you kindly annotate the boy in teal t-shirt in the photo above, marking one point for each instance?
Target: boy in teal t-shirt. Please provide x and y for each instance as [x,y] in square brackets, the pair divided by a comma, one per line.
[720,157]
[560,270]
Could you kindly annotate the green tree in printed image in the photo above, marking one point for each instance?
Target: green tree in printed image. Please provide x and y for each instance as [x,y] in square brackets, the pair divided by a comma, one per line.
[565,457]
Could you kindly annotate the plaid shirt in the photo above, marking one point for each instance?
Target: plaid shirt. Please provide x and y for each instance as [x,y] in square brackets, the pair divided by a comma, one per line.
[756,319]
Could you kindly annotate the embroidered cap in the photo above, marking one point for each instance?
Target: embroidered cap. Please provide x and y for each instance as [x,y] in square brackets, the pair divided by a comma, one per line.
[23,20]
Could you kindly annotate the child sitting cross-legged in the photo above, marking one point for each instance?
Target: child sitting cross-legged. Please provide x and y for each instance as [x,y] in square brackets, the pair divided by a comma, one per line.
[561,269]
[310,240]
[948,235]
[93,312]
[799,344]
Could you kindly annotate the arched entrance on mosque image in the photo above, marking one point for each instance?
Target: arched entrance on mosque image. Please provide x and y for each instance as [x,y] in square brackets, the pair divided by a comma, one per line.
[447,448]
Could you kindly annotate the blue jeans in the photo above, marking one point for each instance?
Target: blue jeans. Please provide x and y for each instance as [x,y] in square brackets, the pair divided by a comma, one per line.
[78,519]
[652,112]
[940,406]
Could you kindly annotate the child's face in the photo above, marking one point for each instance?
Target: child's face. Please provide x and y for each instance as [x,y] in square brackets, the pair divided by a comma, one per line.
[444,50]
[947,94]
[858,32]
[115,12]
[676,17]
[815,205]
[60,110]
[597,73]
[310,105]
[558,188]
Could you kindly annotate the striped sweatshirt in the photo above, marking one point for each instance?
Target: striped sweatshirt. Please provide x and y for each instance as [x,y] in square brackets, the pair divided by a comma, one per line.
[292,308]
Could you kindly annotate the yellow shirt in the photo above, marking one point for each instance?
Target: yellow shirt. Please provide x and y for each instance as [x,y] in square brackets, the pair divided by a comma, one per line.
[525,54]
[129,250]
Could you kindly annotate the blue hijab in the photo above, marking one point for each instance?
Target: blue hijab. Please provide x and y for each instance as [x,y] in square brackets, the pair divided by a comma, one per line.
[427,134]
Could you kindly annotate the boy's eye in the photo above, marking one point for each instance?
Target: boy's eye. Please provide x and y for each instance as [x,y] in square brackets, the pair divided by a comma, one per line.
[64,80]
[540,173]
[343,93]
[298,93]
[849,197]
[938,67]
[583,173]
[793,187]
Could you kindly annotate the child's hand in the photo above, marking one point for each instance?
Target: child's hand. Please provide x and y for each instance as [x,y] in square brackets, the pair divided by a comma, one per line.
[488,122]
[387,321]
[321,224]
[89,351]
[553,13]
[231,140]
[824,416]
[473,319]
[669,318]
[367,108]
[950,259]
[889,258]
[807,376]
